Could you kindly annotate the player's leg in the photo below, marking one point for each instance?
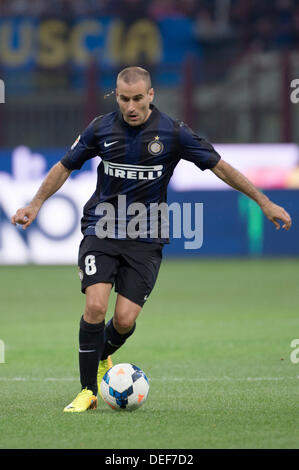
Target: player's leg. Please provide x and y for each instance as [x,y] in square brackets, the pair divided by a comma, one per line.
[121,326]
[97,271]
[135,280]
[91,345]
[91,333]
[117,331]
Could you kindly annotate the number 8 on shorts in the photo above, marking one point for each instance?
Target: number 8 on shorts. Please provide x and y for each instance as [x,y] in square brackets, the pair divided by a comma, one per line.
[90,266]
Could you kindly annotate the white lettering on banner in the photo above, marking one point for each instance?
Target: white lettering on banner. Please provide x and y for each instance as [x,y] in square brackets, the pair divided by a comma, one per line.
[27,165]
[55,235]
[261,163]
[58,218]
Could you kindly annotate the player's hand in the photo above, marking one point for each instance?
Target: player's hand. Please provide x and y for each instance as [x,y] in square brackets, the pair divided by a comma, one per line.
[25,216]
[277,213]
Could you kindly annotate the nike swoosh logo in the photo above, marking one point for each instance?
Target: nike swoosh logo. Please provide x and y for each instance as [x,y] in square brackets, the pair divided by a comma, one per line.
[110,143]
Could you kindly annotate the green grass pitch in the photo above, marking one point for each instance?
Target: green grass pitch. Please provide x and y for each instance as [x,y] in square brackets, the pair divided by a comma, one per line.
[214,339]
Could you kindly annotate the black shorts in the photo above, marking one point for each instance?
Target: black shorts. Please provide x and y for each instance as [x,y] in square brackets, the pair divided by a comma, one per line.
[132,266]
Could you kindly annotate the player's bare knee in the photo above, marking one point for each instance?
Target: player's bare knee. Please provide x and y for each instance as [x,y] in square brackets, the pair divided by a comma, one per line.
[124,323]
[95,311]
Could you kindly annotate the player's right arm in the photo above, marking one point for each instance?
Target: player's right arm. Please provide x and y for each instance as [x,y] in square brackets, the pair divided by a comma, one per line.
[84,148]
[53,181]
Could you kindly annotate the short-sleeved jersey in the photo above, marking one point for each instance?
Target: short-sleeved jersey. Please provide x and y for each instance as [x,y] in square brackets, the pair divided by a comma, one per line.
[136,162]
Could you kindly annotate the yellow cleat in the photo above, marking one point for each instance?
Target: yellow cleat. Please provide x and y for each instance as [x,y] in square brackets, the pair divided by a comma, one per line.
[104,366]
[85,400]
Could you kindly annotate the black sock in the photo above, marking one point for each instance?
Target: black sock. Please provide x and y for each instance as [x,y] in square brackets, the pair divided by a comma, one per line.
[114,340]
[91,344]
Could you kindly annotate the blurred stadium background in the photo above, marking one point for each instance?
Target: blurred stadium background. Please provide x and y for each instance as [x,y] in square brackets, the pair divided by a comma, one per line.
[223,66]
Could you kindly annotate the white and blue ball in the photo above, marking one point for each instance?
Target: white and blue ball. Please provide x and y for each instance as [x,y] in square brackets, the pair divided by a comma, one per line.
[125,387]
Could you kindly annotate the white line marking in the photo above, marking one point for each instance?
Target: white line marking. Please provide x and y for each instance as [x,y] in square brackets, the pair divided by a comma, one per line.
[155,379]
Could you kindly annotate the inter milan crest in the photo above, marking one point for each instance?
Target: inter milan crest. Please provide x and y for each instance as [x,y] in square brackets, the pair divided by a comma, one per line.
[155,147]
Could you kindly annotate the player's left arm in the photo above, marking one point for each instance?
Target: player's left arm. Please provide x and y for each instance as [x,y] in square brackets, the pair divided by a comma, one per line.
[238,181]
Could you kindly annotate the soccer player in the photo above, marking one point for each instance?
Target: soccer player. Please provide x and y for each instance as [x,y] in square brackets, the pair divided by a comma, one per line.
[139,148]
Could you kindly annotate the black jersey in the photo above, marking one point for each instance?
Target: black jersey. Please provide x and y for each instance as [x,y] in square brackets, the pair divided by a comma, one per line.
[136,164]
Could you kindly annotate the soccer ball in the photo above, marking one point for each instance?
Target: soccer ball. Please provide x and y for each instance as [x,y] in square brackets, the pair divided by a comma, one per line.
[124,387]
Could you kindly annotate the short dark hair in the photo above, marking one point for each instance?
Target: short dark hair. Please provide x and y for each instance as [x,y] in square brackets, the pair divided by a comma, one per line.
[131,75]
